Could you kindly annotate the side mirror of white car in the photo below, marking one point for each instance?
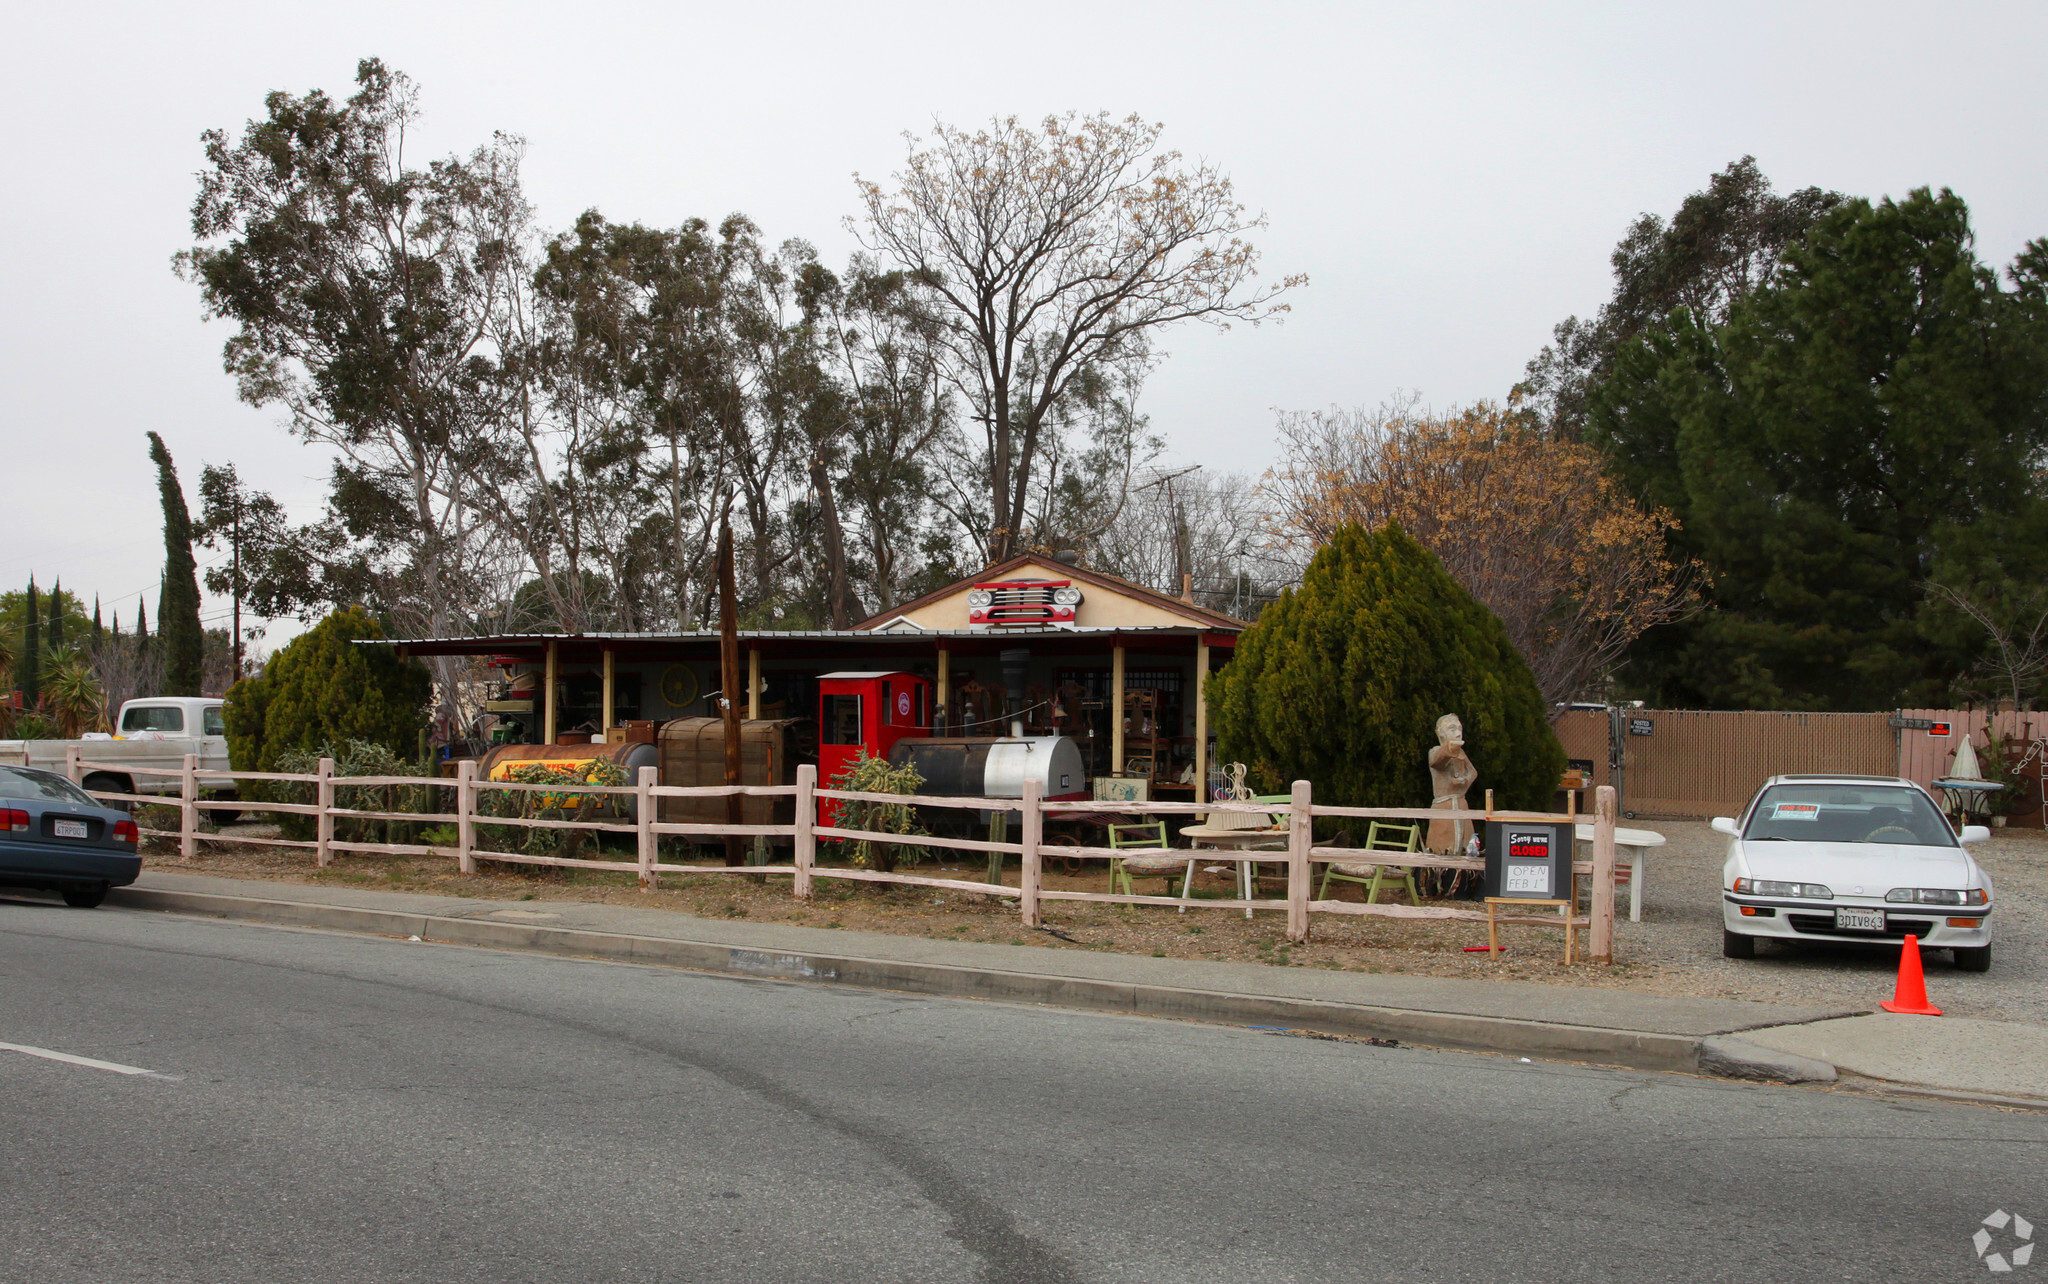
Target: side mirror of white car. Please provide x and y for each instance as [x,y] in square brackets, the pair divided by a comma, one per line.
[1974,834]
[1724,825]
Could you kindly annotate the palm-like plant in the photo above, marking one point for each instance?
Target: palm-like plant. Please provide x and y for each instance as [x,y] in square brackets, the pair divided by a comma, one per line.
[73,695]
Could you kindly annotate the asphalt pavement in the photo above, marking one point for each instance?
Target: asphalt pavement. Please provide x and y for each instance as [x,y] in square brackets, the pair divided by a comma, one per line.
[320,1107]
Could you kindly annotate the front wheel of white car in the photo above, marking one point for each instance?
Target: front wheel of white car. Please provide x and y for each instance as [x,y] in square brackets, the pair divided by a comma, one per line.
[1734,945]
[1976,959]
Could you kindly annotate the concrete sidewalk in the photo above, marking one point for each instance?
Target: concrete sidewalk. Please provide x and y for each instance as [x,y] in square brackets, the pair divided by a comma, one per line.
[1659,1032]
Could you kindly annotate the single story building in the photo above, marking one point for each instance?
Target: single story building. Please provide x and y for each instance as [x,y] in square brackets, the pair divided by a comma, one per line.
[1031,645]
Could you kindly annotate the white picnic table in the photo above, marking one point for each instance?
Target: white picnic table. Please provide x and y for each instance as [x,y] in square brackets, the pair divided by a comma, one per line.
[1635,842]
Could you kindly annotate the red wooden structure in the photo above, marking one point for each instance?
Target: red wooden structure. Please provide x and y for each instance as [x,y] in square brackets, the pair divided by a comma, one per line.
[866,712]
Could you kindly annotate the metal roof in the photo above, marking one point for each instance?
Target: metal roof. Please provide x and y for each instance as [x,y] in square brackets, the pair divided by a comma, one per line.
[878,636]
[833,646]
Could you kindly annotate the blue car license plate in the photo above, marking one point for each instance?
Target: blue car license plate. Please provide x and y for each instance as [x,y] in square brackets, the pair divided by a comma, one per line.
[1859,920]
[68,828]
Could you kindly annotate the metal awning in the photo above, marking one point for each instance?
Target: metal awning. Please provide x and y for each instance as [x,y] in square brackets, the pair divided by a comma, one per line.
[824,644]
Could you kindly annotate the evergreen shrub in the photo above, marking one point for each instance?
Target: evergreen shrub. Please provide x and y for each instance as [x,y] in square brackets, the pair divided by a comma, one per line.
[1341,682]
[323,689]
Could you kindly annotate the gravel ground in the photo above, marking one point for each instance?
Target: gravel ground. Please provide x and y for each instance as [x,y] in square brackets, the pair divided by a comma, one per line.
[1676,949]
[1679,939]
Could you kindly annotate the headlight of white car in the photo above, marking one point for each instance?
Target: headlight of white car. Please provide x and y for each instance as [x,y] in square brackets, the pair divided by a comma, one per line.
[1770,887]
[1937,896]
[978,598]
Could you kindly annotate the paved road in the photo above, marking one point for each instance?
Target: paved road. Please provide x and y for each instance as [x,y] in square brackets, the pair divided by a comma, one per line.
[338,1108]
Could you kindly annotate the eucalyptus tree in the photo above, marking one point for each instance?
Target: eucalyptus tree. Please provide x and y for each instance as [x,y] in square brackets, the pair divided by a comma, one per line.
[1052,257]
[647,361]
[876,427]
[362,286]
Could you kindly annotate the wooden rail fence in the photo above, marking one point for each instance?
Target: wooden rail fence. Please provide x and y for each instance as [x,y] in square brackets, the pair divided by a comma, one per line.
[1302,853]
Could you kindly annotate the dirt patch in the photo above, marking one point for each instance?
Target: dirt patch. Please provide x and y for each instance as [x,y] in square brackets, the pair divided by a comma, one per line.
[1675,950]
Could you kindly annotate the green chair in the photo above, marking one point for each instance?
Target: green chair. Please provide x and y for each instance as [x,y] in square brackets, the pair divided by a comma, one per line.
[1384,836]
[1149,837]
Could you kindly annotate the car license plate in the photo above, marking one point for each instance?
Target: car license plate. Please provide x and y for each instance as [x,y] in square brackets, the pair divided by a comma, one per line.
[1859,920]
[68,828]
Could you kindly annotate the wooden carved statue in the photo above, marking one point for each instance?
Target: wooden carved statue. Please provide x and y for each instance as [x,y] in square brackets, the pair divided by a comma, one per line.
[1451,773]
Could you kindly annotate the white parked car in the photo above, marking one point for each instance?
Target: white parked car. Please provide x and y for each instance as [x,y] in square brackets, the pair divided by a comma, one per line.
[1852,858]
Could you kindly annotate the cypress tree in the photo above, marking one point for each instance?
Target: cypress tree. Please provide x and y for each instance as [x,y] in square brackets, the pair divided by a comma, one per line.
[322,689]
[98,634]
[177,606]
[1342,680]
[142,623]
[31,651]
[55,640]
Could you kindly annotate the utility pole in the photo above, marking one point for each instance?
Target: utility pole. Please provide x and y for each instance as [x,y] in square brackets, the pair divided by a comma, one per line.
[235,548]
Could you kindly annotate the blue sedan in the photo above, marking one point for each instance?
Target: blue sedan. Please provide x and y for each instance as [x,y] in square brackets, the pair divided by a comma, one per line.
[57,837]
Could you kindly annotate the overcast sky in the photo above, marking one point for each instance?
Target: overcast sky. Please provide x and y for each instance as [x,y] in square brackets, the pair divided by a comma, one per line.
[1451,178]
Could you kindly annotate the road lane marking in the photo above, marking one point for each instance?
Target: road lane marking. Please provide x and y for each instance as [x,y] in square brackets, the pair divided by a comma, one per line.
[90,1063]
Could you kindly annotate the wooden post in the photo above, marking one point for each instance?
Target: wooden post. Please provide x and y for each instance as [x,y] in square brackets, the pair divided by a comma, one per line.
[806,826]
[1601,946]
[998,832]
[609,718]
[465,816]
[729,686]
[1300,837]
[1116,710]
[547,717]
[323,822]
[188,818]
[1201,720]
[72,771]
[942,714]
[1034,830]
[643,818]
[753,684]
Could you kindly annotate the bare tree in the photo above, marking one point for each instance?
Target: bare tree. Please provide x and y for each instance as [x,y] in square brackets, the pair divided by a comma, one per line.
[1203,531]
[1528,524]
[1052,256]
[2016,621]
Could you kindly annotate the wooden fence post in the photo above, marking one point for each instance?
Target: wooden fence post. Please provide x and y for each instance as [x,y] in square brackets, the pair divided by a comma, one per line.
[188,818]
[1601,946]
[1301,829]
[72,771]
[1033,831]
[643,816]
[323,820]
[465,816]
[806,855]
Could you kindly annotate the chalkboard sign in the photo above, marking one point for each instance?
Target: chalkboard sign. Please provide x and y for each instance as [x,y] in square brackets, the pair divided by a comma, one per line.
[1528,860]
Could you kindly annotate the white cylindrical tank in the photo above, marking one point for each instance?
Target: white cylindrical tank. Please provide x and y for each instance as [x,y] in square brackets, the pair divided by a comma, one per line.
[993,766]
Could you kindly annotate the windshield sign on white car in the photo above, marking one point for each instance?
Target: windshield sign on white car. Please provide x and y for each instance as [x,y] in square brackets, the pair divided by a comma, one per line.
[1888,815]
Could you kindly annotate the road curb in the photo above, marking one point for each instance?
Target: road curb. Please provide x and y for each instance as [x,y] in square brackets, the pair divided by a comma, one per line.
[1635,1049]
[1736,1058]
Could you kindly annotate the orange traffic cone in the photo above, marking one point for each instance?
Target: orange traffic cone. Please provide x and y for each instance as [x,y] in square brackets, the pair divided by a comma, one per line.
[1911,995]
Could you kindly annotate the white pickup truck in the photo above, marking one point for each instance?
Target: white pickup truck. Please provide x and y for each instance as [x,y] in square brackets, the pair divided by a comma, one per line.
[157,732]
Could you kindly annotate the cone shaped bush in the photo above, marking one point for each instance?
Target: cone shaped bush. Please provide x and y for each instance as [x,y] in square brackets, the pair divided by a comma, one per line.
[323,689]
[1341,682]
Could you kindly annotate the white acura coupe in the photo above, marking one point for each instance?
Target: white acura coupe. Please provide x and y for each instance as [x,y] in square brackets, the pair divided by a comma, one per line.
[1852,858]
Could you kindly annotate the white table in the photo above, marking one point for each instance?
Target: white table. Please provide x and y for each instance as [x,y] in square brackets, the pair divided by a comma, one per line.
[1635,842]
[1218,837]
